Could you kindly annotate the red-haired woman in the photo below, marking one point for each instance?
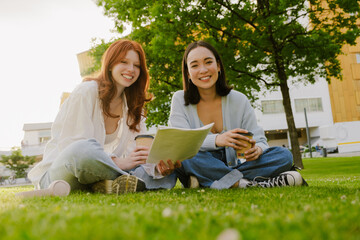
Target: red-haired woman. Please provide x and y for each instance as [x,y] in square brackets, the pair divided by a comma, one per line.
[92,144]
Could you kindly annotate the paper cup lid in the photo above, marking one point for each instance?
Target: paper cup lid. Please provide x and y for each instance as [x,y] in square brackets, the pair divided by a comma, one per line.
[144,136]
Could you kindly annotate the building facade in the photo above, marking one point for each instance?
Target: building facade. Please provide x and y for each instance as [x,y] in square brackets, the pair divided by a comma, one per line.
[333,110]
[36,136]
[313,97]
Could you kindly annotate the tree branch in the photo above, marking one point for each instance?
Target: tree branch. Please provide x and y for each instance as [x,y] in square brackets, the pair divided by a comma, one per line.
[232,35]
[255,77]
[235,13]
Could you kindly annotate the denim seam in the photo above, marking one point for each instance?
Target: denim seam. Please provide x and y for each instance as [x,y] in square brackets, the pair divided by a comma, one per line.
[228,180]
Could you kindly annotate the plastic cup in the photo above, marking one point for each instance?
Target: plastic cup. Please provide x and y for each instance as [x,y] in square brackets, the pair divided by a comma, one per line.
[240,154]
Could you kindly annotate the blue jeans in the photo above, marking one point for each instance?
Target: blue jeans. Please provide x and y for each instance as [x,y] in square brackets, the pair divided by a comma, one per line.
[211,169]
[84,162]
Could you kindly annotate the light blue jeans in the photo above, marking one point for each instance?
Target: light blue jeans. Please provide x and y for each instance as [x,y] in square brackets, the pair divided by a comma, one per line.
[211,169]
[84,162]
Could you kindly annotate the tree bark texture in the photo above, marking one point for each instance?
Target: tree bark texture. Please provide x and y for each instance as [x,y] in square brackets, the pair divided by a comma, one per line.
[295,148]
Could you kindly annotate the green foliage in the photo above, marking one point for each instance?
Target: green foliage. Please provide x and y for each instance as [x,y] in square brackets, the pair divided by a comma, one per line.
[327,209]
[17,162]
[97,52]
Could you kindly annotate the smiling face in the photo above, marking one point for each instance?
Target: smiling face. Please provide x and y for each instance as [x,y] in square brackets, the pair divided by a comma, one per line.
[127,71]
[202,68]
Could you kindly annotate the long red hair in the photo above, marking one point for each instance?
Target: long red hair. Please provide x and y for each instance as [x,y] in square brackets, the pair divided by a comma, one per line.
[136,94]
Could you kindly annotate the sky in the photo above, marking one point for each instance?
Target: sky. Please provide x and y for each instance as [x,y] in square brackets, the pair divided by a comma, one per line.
[38,46]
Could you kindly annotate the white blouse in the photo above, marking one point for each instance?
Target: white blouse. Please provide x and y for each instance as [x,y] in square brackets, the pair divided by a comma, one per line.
[81,117]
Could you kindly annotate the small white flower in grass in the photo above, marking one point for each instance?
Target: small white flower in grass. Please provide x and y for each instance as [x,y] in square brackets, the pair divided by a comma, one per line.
[343,197]
[183,193]
[353,202]
[166,212]
[113,204]
[253,206]
[229,234]
[202,190]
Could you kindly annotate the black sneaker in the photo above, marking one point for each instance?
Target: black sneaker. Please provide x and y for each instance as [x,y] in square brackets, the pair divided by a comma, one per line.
[245,183]
[294,168]
[290,178]
[122,184]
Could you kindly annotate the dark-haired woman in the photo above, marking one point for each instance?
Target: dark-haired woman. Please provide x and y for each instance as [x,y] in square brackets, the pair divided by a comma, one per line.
[92,144]
[207,98]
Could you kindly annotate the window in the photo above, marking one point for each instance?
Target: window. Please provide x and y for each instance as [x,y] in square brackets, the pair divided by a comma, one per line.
[272,106]
[358,58]
[311,105]
[276,136]
[44,139]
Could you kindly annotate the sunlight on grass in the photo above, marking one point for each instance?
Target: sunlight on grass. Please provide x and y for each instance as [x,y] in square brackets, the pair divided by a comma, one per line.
[327,209]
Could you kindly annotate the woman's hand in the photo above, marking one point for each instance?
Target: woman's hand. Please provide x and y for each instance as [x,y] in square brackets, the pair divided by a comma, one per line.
[254,152]
[137,157]
[167,170]
[232,139]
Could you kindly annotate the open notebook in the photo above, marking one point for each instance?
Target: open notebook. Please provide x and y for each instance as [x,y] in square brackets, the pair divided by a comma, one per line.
[177,143]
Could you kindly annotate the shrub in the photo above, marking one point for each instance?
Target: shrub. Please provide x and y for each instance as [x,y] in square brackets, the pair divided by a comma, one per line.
[17,162]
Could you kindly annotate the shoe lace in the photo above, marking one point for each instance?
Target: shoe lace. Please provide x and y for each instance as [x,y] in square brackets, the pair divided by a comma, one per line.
[271,182]
[116,187]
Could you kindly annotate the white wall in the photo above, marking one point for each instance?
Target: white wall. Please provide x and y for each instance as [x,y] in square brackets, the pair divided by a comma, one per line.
[31,145]
[31,138]
[348,136]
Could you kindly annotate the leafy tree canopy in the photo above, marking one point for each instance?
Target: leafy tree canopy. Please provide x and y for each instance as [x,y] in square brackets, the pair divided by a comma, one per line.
[262,43]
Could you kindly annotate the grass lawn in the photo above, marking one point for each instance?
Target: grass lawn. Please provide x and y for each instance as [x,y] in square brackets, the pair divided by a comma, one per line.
[328,209]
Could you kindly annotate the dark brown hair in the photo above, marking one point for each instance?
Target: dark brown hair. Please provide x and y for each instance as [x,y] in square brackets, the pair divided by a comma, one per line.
[191,93]
[136,94]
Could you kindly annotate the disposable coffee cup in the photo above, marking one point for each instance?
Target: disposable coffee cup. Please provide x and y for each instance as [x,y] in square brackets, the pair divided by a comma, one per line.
[144,140]
[240,154]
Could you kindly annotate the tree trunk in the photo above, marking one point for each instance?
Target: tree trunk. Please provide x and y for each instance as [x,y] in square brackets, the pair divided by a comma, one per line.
[295,148]
[264,9]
